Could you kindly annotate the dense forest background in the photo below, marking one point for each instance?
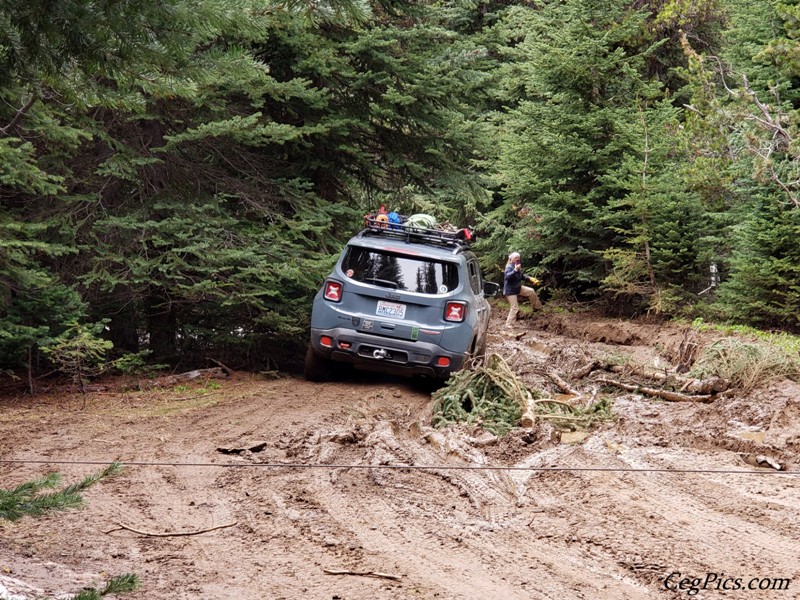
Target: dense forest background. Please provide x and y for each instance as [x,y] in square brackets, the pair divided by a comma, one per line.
[177,177]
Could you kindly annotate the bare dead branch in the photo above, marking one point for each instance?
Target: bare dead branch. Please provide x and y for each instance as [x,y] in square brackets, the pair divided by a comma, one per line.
[361,573]
[663,394]
[768,121]
[18,117]
[225,368]
[170,534]
[560,383]
[583,371]
[688,384]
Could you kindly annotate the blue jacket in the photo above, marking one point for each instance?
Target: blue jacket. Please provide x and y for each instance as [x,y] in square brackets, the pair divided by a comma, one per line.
[512,282]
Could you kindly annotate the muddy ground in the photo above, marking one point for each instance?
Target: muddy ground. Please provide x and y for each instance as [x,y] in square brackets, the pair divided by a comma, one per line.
[664,488]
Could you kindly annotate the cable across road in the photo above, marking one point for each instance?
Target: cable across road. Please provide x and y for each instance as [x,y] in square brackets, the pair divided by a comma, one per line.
[400,467]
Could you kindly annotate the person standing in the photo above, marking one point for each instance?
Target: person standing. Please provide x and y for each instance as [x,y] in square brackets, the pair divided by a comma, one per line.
[512,287]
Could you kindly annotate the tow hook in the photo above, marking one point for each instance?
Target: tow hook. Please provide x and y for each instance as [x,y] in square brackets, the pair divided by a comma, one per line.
[380,353]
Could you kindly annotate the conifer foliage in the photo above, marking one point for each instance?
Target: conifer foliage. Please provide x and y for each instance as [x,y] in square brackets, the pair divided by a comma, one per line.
[190,170]
[28,499]
[584,153]
[185,172]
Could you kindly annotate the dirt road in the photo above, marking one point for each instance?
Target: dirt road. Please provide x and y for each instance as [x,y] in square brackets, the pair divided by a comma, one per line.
[638,507]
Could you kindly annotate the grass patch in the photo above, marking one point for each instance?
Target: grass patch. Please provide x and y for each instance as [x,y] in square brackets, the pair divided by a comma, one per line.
[787,342]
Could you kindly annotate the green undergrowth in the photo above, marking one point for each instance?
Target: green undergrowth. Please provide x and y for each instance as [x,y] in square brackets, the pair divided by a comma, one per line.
[786,341]
[746,365]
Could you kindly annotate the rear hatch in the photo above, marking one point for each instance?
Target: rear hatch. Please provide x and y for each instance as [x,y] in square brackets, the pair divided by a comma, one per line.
[397,293]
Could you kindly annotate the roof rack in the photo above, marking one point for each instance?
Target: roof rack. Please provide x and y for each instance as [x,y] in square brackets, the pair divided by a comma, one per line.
[378,225]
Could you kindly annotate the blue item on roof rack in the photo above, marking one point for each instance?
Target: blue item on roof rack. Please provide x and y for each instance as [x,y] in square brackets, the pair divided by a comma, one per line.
[394,220]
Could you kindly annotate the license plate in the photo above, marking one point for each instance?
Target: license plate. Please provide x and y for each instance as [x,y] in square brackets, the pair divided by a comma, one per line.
[391,309]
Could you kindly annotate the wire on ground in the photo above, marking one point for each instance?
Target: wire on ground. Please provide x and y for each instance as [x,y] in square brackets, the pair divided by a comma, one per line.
[409,467]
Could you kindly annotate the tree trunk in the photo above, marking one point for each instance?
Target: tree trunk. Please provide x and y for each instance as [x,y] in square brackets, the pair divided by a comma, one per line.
[161,325]
[123,331]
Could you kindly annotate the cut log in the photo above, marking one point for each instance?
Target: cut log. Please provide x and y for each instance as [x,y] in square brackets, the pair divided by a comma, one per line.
[691,385]
[171,380]
[663,394]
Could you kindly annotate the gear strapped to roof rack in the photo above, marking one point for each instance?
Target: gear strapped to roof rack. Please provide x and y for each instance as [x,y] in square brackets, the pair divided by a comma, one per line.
[416,228]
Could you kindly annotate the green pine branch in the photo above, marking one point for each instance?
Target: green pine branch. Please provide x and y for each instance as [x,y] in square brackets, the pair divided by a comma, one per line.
[28,499]
[116,585]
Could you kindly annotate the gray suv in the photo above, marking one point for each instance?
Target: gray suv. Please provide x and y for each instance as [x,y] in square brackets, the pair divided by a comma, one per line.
[402,300]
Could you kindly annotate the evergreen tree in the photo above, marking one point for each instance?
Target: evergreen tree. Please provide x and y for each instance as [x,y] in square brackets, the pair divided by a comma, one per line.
[659,258]
[208,169]
[80,352]
[745,117]
[764,284]
[574,88]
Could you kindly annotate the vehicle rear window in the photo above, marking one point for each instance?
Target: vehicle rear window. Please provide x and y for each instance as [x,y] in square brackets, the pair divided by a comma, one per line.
[400,271]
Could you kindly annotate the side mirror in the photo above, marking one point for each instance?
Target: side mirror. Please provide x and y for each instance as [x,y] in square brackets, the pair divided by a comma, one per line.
[490,289]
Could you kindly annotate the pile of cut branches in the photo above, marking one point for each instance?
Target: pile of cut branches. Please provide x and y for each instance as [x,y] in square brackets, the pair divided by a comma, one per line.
[493,397]
[566,416]
[746,365]
[489,395]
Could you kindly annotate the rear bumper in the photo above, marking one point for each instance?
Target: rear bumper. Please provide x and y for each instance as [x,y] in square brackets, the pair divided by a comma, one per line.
[385,355]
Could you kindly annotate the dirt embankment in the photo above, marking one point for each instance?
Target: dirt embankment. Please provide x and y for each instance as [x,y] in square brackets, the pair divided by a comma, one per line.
[608,513]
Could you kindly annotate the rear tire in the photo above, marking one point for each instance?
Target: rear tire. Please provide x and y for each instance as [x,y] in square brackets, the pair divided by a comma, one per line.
[482,346]
[476,354]
[316,368]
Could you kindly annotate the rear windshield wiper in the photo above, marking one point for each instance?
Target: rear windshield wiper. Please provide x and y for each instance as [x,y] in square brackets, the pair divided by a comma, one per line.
[381,282]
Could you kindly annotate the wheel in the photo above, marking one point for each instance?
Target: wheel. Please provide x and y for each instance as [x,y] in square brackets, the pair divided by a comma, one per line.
[482,346]
[476,354]
[316,368]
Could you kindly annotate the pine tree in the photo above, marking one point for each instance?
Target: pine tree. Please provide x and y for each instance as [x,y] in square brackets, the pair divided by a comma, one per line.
[574,88]
[80,352]
[249,182]
[744,113]
[764,284]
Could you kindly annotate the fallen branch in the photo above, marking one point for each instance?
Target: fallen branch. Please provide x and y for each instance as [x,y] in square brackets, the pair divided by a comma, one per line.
[491,395]
[663,394]
[227,369]
[689,385]
[562,385]
[361,573]
[584,371]
[556,416]
[551,401]
[170,534]
[172,380]
[569,413]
